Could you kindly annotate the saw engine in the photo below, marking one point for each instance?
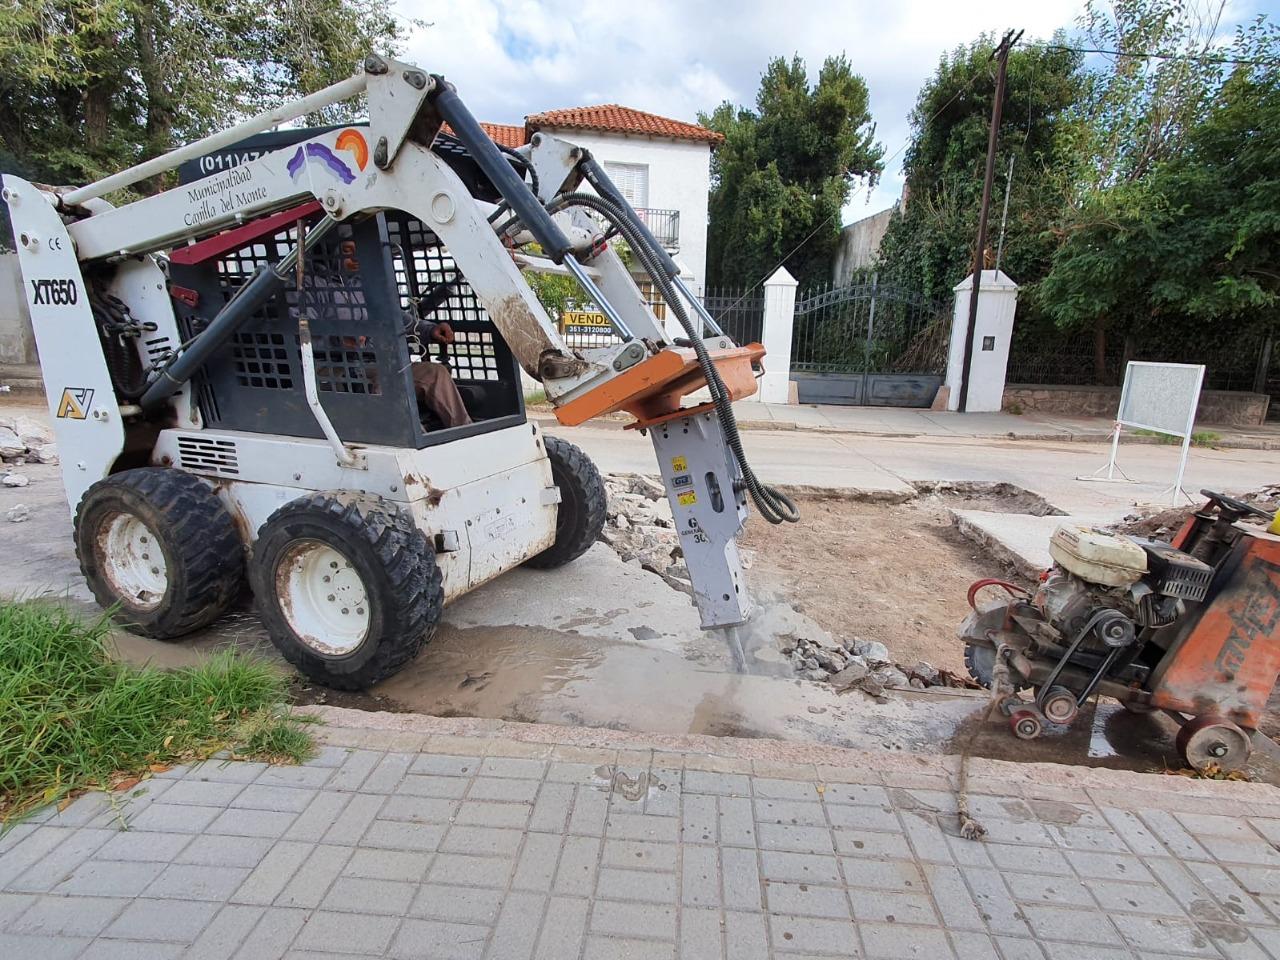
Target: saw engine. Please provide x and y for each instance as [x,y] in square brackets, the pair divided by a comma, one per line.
[1190,628]
[1084,627]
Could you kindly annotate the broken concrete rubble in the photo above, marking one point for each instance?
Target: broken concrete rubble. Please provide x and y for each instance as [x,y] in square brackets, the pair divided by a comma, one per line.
[16,480]
[18,513]
[26,439]
[639,526]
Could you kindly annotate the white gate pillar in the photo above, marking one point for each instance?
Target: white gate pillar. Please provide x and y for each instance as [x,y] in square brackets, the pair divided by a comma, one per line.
[779,319]
[992,332]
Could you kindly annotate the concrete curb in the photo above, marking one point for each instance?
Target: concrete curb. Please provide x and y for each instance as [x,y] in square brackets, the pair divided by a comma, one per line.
[772,758]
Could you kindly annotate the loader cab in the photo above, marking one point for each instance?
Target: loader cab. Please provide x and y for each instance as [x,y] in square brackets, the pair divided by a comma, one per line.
[360,289]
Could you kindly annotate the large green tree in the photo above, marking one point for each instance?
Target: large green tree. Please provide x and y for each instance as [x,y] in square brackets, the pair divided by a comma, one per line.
[1190,250]
[928,246]
[90,86]
[785,170]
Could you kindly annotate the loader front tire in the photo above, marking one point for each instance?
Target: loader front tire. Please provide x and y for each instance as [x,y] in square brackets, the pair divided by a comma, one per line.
[157,546]
[582,505]
[346,586]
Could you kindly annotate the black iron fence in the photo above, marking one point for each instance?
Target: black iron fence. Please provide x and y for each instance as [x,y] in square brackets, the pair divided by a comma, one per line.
[739,313]
[1070,360]
[869,326]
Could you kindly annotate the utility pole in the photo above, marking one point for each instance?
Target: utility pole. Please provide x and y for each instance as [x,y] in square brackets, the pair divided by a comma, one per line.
[1001,56]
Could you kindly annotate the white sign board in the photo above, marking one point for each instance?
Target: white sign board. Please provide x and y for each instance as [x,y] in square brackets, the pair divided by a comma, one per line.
[1161,397]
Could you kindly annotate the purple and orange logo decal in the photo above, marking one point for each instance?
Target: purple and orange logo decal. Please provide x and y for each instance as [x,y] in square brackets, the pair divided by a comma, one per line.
[349,141]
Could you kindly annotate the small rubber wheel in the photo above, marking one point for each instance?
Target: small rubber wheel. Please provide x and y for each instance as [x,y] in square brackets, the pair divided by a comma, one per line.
[580,517]
[1209,741]
[1060,706]
[346,586]
[158,546]
[1025,725]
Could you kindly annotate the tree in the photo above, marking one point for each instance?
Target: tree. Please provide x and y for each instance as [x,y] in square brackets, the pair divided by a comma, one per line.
[91,86]
[928,246]
[1190,249]
[784,171]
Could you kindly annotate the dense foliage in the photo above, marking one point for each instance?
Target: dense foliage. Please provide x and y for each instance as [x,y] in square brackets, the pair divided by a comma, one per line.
[1145,199]
[929,244]
[785,170]
[91,86]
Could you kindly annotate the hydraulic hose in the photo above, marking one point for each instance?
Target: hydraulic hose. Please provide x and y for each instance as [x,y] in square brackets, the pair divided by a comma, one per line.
[774,505]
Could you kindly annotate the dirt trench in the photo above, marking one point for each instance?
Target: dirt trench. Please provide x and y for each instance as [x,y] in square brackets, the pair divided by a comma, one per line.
[896,573]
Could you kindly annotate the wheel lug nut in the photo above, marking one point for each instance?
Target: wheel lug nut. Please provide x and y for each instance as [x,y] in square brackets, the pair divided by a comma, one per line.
[332,598]
[333,564]
[326,579]
[155,570]
[345,611]
[360,611]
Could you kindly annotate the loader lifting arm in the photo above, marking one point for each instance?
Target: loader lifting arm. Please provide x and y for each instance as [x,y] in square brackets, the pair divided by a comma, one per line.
[646,373]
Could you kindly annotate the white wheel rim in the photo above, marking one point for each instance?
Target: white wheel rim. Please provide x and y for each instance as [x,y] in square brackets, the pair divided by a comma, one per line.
[322,598]
[130,557]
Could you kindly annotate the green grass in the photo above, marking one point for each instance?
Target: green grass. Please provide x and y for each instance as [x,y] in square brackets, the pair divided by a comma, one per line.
[1199,438]
[72,718]
[535,398]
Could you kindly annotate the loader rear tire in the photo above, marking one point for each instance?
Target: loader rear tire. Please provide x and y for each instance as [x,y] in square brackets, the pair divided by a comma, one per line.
[157,546]
[347,587]
[581,513]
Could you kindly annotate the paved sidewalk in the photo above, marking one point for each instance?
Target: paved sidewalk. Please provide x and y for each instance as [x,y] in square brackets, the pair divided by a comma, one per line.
[512,842]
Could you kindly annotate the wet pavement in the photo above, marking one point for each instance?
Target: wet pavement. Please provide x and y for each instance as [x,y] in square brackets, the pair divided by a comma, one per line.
[600,644]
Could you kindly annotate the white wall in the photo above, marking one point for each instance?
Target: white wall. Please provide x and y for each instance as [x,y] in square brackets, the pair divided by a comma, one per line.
[679,179]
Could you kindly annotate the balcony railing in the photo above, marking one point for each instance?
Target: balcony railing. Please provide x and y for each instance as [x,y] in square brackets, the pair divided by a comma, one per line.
[663,224]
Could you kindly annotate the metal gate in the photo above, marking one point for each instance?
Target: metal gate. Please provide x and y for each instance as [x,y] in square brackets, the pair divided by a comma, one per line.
[870,344]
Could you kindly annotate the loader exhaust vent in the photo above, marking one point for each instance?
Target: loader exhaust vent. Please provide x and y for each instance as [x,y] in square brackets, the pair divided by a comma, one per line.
[208,455]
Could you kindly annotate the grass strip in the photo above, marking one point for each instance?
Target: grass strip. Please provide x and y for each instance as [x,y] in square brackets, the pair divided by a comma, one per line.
[72,718]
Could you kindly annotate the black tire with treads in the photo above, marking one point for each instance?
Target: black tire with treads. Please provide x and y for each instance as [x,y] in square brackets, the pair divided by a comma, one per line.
[581,513]
[397,568]
[203,553]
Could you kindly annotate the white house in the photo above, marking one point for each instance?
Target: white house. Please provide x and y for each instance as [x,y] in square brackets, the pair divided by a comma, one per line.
[662,166]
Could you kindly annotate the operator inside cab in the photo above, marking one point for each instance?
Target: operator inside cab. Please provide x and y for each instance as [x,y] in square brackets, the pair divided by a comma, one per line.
[325,290]
[432,384]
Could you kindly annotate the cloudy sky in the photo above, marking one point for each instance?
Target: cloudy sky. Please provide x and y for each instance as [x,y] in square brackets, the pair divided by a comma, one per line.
[510,58]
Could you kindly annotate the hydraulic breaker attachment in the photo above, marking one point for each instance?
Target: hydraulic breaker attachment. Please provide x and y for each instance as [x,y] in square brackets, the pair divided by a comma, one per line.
[703,478]
[710,510]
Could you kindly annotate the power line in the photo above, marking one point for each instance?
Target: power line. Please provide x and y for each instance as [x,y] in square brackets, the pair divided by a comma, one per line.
[1201,58]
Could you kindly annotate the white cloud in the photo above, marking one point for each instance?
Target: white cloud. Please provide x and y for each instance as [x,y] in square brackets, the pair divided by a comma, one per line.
[511,58]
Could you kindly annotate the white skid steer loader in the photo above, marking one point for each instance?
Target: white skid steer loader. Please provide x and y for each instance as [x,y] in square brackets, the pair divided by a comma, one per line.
[231,368]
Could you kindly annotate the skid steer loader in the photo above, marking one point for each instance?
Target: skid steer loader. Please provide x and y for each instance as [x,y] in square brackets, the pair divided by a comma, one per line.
[230,366]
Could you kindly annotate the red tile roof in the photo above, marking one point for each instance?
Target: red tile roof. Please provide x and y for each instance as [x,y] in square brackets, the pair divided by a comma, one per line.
[505,134]
[609,118]
[612,118]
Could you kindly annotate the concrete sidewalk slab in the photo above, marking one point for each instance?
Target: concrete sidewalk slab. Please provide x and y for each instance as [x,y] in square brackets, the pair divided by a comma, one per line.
[457,839]
[1018,539]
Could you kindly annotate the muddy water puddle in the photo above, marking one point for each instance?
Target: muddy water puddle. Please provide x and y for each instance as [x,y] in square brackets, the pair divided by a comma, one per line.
[541,675]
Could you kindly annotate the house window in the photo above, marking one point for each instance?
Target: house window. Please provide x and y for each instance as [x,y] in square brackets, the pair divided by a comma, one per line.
[632,181]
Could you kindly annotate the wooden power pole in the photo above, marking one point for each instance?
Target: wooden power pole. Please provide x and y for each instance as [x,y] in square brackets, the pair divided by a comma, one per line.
[1001,56]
